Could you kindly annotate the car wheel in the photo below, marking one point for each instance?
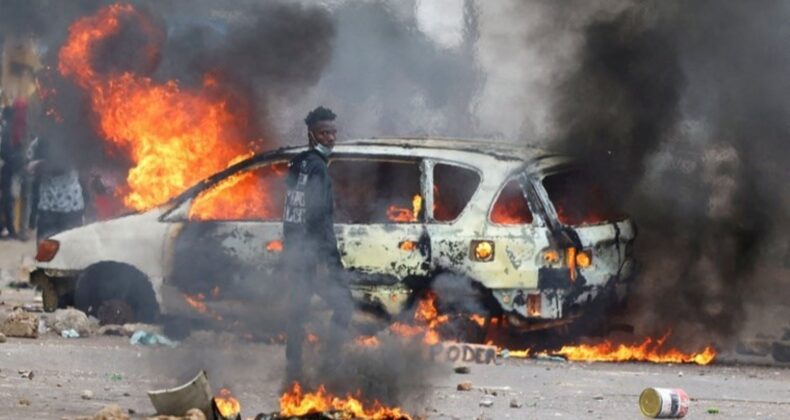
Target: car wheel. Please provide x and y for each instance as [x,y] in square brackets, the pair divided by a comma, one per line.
[116,292]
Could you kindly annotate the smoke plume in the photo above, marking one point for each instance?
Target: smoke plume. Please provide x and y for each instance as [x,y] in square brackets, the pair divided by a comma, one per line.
[681,109]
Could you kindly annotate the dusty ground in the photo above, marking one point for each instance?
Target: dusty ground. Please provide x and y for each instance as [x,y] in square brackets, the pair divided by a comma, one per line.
[117,372]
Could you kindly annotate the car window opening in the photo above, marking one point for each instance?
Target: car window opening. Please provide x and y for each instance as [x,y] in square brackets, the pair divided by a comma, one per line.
[254,194]
[579,200]
[453,187]
[511,207]
[376,191]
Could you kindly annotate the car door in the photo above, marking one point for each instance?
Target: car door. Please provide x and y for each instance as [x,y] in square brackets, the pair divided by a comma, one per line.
[226,241]
[379,213]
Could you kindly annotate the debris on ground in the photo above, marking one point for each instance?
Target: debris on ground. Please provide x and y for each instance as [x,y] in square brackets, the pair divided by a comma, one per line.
[182,399]
[463,370]
[486,401]
[70,333]
[712,410]
[192,414]
[24,402]
[20,324]
[550,358]
[73,319]
[111,412]
[33,307]
[27,374]
[128,330]
[464,386]
[145,338]
[87,395]
[514,403]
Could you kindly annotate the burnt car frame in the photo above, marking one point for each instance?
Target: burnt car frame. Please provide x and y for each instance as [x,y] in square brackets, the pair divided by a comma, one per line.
[512,219]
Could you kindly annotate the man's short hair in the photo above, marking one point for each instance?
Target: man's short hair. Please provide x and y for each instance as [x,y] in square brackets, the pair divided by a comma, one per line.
[319,114]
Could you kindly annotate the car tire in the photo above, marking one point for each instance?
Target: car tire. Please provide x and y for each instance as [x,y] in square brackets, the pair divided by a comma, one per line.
[107,284]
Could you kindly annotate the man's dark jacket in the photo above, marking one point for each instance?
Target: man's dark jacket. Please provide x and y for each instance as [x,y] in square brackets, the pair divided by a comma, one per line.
[308,219]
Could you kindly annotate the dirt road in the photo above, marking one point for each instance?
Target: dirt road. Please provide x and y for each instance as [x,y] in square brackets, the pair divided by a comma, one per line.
[116,372]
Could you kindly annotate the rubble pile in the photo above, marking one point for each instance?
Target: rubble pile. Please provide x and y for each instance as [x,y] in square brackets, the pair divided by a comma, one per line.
[20,323]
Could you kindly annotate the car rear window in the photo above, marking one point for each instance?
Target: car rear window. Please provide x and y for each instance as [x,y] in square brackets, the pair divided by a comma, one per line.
[579,200]
[511,207]
[376,191]
[253,194]
[453,187]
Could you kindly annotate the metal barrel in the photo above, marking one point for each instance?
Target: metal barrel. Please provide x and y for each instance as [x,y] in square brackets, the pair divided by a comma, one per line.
[664,403]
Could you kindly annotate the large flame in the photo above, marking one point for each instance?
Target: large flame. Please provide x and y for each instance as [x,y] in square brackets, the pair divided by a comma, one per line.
[173,137]
[649,350]
[295,403]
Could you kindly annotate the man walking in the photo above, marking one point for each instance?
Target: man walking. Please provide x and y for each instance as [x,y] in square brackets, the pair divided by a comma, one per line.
[310,250]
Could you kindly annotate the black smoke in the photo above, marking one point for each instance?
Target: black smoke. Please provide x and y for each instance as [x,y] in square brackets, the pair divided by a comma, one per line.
[681,108]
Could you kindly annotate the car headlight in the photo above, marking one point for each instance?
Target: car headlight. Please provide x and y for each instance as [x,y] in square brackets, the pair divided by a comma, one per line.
[47,250]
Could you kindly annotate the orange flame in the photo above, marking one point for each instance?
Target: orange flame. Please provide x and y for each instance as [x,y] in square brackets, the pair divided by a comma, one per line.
[173,137]
[227,405]
[648,351]
[404,215]
[196,302]
[274,246]
[427,321]
[367,341]
[296,403]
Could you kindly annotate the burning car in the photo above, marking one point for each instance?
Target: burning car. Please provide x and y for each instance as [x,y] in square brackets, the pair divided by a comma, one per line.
[527,228]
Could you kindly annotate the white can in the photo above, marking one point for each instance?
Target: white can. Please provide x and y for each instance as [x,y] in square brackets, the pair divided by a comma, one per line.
[664,403]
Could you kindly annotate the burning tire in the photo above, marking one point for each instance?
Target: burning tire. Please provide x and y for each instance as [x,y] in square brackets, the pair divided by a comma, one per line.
[115,292]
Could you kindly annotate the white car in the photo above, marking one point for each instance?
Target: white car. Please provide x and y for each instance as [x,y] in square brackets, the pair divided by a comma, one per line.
[525,226]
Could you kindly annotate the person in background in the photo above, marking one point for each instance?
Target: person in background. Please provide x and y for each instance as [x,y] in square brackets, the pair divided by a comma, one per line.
[10,155]
[61,199]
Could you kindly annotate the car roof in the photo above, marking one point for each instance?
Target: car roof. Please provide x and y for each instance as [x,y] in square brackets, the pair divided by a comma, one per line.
[535,157]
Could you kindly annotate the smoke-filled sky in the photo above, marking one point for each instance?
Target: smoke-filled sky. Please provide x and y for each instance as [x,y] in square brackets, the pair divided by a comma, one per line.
[681,108]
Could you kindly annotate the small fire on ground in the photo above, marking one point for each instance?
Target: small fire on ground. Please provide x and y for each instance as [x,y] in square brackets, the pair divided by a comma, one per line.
[227,405]
[296,403]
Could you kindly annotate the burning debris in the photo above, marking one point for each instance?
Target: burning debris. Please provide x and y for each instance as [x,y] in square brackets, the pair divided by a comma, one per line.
[322,405]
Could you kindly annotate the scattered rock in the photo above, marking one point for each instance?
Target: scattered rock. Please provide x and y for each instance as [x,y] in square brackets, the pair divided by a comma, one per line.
[3,338]
[111,412]
[464,386]
[598,397]
[20,324]
[87,395]
[514,403]
[781,352]
[73,319]
[463,370]
[486,401]
[27,374]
